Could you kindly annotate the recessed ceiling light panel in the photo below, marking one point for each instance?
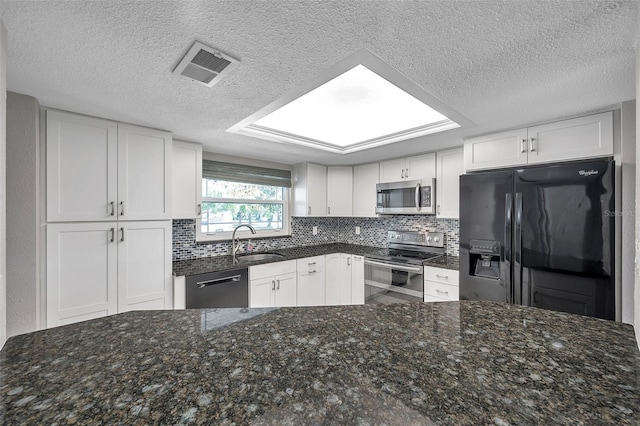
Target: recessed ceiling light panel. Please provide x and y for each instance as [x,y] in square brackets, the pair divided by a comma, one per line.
[357,104]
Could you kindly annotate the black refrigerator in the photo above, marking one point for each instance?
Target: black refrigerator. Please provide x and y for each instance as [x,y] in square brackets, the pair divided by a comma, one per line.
[540,236]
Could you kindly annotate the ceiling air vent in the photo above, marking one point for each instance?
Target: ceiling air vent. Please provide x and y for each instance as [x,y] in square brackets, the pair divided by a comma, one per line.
[205,64]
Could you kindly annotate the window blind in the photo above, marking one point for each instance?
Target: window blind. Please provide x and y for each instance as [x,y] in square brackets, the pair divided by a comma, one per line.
[245,174]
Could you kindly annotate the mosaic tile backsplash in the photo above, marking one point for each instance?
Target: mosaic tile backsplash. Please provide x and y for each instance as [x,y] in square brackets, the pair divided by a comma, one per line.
[373,232]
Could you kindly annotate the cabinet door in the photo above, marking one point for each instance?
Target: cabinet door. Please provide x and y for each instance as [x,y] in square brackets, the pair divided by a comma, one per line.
[262,292]
[333,279]
[81,168]
[392,170]
[420,167]
[316,190]
[357,280]
[450,167]
[81,272]
[144,266]
[583,137]
[187,180]
[496,150]
[345,278]
[144,173]
[286,294]
[365,178]
[311,288]
[340,191]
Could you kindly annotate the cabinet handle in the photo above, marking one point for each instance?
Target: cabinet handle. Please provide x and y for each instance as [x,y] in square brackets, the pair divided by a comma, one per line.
[406,173]
[113,235]
[311,263]
[313,272]
[113,208]
[523,146]
[441,292]
[438,212]
[402,174]
[278,284]
[348,261]
[199,209]
[309,210]
[446,277]
[122,239]
[328,210]
[121,208]
[532,148]
[273,285]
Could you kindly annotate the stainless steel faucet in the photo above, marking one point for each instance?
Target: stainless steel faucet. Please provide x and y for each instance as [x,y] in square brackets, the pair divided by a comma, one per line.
[235,242]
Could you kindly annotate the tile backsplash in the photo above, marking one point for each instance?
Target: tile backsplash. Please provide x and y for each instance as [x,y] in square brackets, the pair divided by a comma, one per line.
[373,232]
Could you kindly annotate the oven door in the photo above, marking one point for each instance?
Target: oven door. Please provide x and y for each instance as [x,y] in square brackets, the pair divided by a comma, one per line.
[387,282]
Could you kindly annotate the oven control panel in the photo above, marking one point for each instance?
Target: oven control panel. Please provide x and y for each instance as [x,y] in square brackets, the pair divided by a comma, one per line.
[426,238]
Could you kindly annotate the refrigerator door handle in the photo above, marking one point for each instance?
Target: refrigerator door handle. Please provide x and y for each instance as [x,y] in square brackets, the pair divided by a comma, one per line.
[520,295]
[509,296]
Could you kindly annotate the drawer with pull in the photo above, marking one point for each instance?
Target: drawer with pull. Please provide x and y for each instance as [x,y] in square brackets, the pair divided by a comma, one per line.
[441,291]
[310,265]
[441,275]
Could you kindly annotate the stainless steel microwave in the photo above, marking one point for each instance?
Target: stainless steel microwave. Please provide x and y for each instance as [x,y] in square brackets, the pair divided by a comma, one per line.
[406,197]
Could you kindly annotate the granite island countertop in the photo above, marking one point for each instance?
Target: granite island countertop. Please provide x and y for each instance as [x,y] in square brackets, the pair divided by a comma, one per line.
[450,363]
[205,265]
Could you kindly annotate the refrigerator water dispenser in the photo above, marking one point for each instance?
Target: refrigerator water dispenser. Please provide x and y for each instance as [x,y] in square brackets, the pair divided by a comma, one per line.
[485,258]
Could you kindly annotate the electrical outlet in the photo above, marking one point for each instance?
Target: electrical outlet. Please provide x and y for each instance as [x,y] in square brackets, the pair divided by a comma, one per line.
[315,230]
[357,230]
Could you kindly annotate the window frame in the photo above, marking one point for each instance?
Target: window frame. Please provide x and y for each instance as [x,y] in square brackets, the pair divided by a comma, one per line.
[226,236]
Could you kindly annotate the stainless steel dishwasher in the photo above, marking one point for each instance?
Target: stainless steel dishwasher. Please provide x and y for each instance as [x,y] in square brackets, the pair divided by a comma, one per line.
[226,289]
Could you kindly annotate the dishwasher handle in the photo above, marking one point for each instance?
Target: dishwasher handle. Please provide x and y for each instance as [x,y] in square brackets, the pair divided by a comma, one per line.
[203,284]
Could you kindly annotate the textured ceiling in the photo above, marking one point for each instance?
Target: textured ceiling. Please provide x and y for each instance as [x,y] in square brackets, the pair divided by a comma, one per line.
[501,64]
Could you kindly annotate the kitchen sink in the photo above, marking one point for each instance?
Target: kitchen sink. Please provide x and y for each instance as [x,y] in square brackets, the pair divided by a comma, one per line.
[254,257]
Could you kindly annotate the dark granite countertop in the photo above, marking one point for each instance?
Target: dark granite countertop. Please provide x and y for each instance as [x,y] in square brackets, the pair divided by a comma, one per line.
[446,261]
[222,263]
[449,363]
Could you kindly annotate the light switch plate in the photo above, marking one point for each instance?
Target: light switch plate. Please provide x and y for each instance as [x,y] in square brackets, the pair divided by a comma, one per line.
[357,230]
[315,230]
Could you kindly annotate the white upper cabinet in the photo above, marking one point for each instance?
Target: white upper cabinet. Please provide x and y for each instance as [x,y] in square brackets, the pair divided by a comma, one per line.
[309,190]
[450,167]
[82,166]
[187,180]
[365,178]
[340,191]
[583,137]
[100,170]
[410,168]
[497,150]
[144,173]
[392,170]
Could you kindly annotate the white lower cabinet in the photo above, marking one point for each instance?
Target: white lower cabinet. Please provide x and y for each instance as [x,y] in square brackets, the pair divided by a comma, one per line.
[144,266]
[273,285]
[311,281]
[96,269]
[357,280]
[345,279]
[440,284]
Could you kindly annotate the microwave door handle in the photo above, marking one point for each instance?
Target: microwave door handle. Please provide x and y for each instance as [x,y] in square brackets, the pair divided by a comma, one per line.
[417,196]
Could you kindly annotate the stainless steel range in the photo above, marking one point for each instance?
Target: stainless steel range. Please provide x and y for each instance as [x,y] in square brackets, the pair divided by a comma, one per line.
[397,276]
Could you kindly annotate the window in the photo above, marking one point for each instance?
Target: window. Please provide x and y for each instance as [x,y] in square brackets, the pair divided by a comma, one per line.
[235,194]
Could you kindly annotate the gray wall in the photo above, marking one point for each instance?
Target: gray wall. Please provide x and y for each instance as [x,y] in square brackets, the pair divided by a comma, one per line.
[3,259]
[23,214]
[626,211]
